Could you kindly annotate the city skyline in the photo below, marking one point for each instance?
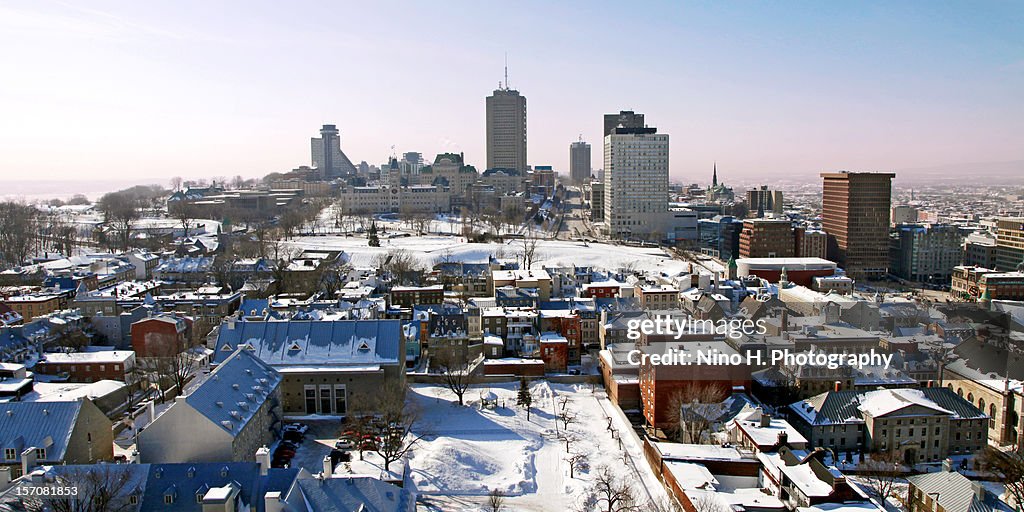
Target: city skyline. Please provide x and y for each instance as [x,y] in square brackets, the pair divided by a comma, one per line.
[146,94]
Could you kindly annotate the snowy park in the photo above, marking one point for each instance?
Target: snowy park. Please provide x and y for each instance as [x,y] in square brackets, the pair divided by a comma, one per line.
[469,451]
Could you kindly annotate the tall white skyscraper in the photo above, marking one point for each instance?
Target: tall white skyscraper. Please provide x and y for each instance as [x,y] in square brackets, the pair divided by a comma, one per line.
[635,182]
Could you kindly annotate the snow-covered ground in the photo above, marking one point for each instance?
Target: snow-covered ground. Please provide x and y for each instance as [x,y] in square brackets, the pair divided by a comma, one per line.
[469,451]
[432,248]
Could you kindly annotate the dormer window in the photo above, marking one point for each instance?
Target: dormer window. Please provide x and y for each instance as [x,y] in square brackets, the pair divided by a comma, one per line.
[226,347]
[363,347]
[295,346]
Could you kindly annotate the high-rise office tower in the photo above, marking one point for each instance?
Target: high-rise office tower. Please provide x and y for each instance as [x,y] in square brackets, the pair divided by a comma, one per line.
[506,129]
[327,155]
[855,213]
[625,119]
[635,181]
[579,162]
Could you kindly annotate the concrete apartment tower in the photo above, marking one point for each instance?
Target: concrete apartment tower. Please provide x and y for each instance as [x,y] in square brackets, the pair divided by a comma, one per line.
[855,210]
[506,128]
[635,180]
[327,155]
[579,162]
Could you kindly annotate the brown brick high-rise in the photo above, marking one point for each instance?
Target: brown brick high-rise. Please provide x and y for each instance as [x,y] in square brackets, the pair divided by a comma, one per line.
[855,214]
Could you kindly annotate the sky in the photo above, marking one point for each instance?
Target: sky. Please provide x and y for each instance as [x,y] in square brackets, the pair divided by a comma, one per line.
[148,90]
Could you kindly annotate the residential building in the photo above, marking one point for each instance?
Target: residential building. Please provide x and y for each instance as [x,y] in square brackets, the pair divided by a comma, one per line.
[579,162]
[409,296]
[506,129]
[52,433]
[767,238]
[763,200]
[904,214]
[162,335]
[227,417]
[89,366]
[980,250]
[810,243]
[949,491]
[855,214]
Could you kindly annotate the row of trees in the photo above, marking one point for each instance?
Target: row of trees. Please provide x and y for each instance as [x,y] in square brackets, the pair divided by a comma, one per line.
[26,230]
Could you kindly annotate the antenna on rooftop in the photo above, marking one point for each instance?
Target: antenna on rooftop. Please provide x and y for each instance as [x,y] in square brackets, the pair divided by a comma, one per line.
[506,70]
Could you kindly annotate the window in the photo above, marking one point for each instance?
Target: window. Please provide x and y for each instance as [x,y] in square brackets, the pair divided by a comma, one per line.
[199,496]
[168,499]
[310,397]
[133,499]
[41,453]
[340,406]
[10,453]
[325,399]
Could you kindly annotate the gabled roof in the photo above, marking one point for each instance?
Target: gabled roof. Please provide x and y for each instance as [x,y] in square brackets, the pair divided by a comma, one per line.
[353,493]
[838,407]
[314,342]
[234,391]
[45,425]
[956,493]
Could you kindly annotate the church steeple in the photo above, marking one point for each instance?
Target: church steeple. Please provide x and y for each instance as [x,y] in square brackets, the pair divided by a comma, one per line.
[714,176]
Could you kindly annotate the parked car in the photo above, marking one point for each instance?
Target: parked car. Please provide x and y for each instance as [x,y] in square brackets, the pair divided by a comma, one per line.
[296,427]
[344,444]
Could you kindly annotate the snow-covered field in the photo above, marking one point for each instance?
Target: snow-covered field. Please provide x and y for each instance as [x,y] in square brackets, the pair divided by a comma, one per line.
[432,248]
[469,451]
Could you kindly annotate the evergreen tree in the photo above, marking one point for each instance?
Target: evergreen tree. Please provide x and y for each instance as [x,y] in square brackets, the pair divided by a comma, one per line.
[524,398]
[374,239]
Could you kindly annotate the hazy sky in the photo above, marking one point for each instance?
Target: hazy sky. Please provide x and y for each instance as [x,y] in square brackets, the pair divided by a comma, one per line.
[150,90]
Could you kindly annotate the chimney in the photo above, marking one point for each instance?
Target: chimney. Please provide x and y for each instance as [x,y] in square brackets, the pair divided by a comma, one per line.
[151,409]
[979,490]
[785,320]
[28,460]
[272,502]
[328,466]
[838,385]
[38,477]
[783,438]
[263,459]
[766,419]
[947,465]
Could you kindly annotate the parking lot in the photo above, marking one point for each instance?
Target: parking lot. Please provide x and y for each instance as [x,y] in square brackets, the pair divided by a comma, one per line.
[319,441]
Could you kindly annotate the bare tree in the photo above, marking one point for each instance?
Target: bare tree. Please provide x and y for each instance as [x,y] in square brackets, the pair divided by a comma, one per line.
[495,500]
[577,462]
[1008,466]
[881,472]
[185,212]
[176,183]
[566,417]
[457,375]
[693,410]
[169,367]
[610,493]
[707,502]
[399,433]
[18,230]
[529,250]
[120,210]
[401,264]
[100,488]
